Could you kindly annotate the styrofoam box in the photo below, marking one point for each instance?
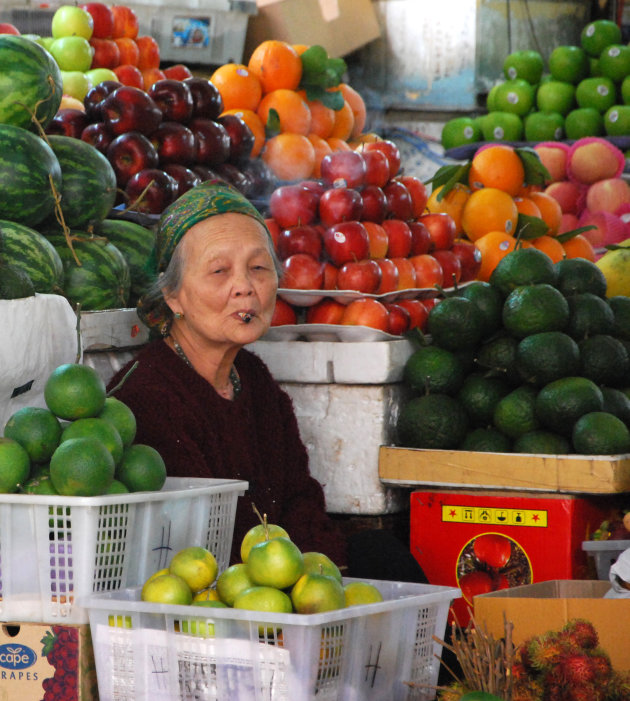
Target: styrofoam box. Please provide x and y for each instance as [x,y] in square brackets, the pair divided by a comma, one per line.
[160,652]
[55,549]
[112,328]
[605,553]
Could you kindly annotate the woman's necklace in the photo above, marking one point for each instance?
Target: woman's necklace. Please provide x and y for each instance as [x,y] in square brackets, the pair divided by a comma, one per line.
[235,380]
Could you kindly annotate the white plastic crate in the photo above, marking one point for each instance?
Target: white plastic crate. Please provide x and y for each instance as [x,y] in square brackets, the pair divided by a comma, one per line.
[55,549]
[605,553]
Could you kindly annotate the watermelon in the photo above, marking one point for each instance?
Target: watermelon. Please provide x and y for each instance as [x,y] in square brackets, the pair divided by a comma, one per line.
[88,181]
[135,242]
[30,83]
[101,280]
[27,167]
[33,253]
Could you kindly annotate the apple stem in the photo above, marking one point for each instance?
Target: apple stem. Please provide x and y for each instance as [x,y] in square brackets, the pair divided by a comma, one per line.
[139,199]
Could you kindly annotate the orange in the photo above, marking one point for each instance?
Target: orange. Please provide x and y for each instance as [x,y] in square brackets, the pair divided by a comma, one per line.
[254,122]
[579,247]
[494,246]
[238,86]
[526,190]
[452,203]
[277,65]
[550,210]
[344,122]
[489,209]
[549,245]
[357,105]
[300,48]
[497,166]
[526,205]
[294,114]
[321,149]
[290,156]
[322,117]
[337,144]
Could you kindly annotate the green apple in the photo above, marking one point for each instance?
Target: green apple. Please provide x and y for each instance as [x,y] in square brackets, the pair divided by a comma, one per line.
[595,69]
[98,75]
[491,98]
[614,62]
[583,121]
[75,83]
[72,53]
[46,42]
[515,96]
[460,131]
[555,96]
[72,20]
[544,126]
[526,64]
[569,64]
[502,126]
[599,34]
[599,93]
[617,120]
[624,90]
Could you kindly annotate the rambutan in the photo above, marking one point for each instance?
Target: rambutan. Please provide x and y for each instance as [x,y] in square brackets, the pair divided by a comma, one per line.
[546,651]
[585,692]
[527,690]
[577,668]
[618,688]
[582,633]
[602,665]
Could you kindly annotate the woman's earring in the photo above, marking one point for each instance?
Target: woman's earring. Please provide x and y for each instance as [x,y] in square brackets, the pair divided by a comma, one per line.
[178,315]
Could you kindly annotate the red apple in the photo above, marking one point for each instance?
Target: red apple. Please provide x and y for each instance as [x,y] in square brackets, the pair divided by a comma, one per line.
[173,98]
[98,135]
[300,239]
[374,203]
[389,276]
[331,273]
[451,266]
[361,275]
[128,51]
[179,71]
[340,204]
[346,241]
[469,257]
[94,98]
[207,100]
[317,186]
[343,169]
[151,191]
[151,76]
[292,205]
[399,319]
[130,109]
[302,272]
[421,241]
[428,271]
[102,17]
[186,179]
[8,28]
[213,141]
[328,311]
[398,237]
[274,231]
[148,53]
[233,175]
[366,311]
[241,137]
[125,22]
[106,53]
[130,153]
[376,168]
[418,192]
[390,149]
[68,122]
[406,273]
[418,313]
[399,204]
[283,314]
[378,239]
[129,75]
[441,227]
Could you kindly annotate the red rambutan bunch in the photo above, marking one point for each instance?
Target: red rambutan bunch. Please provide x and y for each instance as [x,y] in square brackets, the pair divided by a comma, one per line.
[577,669]
[546,651]
[581,633]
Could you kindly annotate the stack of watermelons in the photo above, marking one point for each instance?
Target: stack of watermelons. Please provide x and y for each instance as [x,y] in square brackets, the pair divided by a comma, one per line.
[56,193]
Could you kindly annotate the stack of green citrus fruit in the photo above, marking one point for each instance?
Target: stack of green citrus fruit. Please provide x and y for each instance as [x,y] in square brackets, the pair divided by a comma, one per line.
[273,576]
[537,360]
[81,444]
[586,92]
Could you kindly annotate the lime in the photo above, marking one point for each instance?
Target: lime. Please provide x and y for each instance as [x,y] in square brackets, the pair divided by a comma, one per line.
[141,469]
[360,593]
[598,92]
[37,430]
[620,306]
[544,126]
[433,369]
[74,391]
[167,589]
[498,355]
[502,126]
[604,359]
[121,416]
[479,396]
[232,581]
[318,563]
[98,428]
[584,121]
[515,96]
[515,413]
[14,465]
[39,485]
[488,301]
[589,315]
[618,403]
[533,309]
[555,96]
[561,403]
[117,487]
[599,34]
[82,467]
[576,275]
[614,62]
[600,433]
[569,64]
[617,120]
[486,440]
[432,421]
[542,442]
[524,266]
[455,322]
[197,566]
[525,64]
[316,593]
[460,131]
[544,357]
[264,598]
[275,563]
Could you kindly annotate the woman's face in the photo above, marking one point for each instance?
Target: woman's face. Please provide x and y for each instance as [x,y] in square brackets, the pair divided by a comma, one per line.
[227,271]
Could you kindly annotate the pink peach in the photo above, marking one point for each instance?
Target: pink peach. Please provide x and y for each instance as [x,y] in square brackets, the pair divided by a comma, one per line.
[591,159]
[554,158]
[569,222]
[609,228]
[569,195]
[607,195]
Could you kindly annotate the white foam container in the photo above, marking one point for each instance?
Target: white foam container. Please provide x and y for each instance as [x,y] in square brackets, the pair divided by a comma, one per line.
[144,651]
[112,328]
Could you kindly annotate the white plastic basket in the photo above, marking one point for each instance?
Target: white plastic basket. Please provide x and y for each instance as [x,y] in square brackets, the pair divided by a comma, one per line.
[146,651]
[605,553]
[54,549]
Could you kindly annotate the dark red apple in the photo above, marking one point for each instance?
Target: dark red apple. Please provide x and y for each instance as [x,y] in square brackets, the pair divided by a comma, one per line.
[300,239]
[204,172]
[374,203]
[361,275]
[68,121]
[212,139]
[263,180]
[106,53]
[283,314]
[346,241]
[451,266]
[399,204]
[241,138]
[185,177]
[418,192]
[390,149]
[399,238]
[93,100]
[302,272]
[174,99]
[292,205]
[469,257]
[179,71]
[399,319]
[340,204]
[174,143]
[150,191]
[102,18]
[376,168]
[441,228]
[418,313]
[389,276]
[130,109]
[233,175]
[98,135]
[129,154]
[421,241]
[343,169]
[328,311]
[207,100]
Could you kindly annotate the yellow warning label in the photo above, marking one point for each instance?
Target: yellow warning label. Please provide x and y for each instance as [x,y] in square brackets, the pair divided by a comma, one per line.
[536,518]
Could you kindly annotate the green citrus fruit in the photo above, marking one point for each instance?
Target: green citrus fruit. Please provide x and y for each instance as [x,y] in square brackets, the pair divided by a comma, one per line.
[524,266]
[316,593]
[544,126]
[360,593]
[258,533]
[569,63]
[479,395]
[561,403]
[433,369]
[141,469]
[533,309]
[584,121]
[318,563]
[121,416]
[264,598]
[543,442]
[275,563]
[555,96]
[544,357]
[197,566]
[525,64]
[455,323]
[515,414]
[618,403]
[620,306]
[488,301]
[232,581]
[487,440]
[206,595]
[576,275]
[98,428]
[604,359]
[599,34]
[37,430]
[589,315]
[39,485]
[82,467]
[167,589]
[14,465]
[74,391]
[432,421]
[600,433]
[598,92]
[498,355]
[117,487]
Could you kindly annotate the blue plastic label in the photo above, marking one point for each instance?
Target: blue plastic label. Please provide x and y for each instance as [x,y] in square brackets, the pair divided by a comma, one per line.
[16,656]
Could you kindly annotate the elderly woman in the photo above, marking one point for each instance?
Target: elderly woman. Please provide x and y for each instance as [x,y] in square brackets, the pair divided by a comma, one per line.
[208,405]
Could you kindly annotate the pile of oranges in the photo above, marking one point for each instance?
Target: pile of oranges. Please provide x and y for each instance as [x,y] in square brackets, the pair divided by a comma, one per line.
[486,210]
[307,129]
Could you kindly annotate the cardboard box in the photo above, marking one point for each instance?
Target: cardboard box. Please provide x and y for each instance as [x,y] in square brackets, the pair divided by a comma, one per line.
[36,657]
[484,541]
[587,474]
[340,26]
[547,606]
